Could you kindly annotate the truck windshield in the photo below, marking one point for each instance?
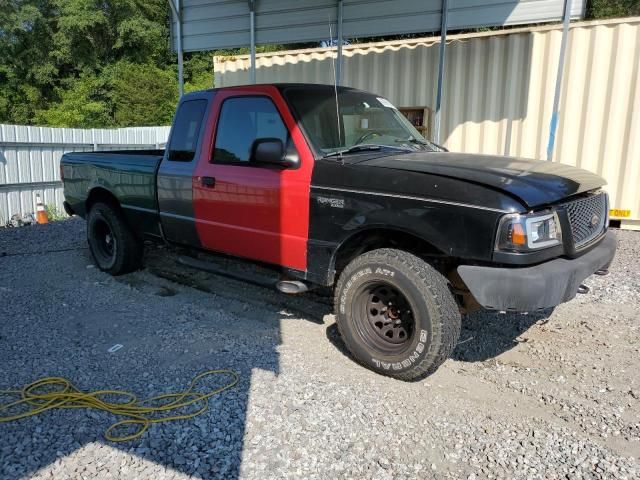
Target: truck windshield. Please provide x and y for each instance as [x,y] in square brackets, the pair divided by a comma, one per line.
[362,121]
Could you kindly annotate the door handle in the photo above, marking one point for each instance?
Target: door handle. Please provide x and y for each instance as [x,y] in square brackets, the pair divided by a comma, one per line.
[208,182]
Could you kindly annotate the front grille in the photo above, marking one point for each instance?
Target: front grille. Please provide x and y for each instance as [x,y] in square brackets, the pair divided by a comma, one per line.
[587,217]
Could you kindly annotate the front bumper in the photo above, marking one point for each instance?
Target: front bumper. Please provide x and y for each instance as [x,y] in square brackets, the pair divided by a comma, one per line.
[542,286]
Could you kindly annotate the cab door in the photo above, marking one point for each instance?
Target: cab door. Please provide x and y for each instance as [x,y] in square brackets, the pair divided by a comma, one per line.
[175,174]
[256,211]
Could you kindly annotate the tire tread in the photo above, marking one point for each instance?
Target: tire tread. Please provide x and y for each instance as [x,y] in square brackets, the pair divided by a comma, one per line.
[445,338]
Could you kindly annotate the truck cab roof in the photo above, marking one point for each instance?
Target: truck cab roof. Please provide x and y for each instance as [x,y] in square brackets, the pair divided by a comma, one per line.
[280,86]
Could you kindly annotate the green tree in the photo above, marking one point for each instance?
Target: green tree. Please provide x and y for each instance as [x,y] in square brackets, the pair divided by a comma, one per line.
[198,71]
[67,62]
[613,8]
[142,94]
[81,103]
[26,73]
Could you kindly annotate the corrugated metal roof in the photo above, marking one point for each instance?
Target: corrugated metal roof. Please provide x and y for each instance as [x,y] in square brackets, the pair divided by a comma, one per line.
[498,92]
[212,24]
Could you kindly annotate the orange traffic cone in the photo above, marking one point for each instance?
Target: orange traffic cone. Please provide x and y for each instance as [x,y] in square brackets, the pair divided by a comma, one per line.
[41,213]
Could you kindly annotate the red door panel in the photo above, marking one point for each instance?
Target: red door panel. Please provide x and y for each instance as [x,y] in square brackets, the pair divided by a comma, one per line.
[254,212]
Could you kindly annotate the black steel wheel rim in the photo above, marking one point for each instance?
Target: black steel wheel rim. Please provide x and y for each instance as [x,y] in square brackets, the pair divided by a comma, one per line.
[104,242]
[384,317]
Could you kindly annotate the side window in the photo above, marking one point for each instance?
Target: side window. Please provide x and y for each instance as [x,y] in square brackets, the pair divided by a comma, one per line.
[243,120]
[186,128]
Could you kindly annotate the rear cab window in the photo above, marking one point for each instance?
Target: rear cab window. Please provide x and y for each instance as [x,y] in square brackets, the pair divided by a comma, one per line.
[186,130]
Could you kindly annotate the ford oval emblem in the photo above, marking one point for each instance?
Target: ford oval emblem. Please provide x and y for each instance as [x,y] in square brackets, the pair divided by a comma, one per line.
[595,220]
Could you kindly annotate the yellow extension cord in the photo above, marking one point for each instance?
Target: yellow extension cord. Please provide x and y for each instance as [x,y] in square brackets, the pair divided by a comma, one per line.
[65,395]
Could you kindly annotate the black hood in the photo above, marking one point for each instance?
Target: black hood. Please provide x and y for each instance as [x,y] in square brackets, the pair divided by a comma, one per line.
[533,182]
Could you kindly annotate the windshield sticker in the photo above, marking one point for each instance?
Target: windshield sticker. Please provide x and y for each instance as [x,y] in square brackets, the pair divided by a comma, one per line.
[386,103]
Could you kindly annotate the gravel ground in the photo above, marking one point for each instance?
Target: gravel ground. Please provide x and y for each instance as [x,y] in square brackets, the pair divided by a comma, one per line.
[524,396]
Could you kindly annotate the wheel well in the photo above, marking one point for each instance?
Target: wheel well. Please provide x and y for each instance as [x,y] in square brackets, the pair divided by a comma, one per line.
[103,195]
[373,239]
[368,240]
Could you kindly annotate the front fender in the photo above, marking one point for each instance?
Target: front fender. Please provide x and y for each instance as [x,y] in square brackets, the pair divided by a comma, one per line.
[452,229]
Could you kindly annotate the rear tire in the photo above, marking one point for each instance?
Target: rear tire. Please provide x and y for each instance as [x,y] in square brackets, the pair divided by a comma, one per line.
[114,247]
[396,314]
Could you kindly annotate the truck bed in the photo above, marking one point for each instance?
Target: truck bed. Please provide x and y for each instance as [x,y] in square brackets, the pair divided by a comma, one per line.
[117,157]
[129,175]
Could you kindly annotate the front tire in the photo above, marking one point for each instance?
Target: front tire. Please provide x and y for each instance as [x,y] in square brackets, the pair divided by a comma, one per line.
[114,247]
[396,314]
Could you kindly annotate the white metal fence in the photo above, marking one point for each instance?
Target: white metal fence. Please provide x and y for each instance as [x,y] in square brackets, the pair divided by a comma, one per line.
[30,159]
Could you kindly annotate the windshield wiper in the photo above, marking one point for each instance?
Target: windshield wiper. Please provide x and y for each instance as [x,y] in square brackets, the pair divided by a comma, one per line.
[362,148]
[425,143]
[412,140]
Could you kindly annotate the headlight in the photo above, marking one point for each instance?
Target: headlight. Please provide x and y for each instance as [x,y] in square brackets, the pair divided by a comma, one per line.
[524,233]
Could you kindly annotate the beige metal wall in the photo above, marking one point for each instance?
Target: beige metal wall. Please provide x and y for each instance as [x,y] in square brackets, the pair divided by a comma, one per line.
[499,90]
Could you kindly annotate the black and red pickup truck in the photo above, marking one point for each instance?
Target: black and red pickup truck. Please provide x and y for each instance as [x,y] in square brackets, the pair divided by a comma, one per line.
[336,187]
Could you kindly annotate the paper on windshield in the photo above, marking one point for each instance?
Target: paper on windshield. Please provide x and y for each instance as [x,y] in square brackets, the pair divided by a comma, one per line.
[385,102]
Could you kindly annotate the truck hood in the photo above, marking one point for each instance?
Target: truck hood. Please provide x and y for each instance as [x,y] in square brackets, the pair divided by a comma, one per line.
[533,182]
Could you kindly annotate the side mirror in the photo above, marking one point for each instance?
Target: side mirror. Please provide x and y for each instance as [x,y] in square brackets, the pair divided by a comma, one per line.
[270,151]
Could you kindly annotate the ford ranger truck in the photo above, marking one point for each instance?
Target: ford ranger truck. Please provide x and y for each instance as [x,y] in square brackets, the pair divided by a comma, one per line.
[337,188]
